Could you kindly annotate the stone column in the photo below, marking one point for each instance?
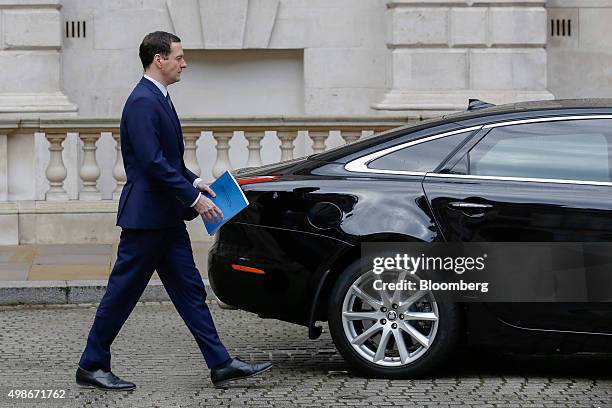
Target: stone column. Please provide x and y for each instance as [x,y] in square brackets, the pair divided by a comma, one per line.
[287,139]
[318,140]
[191,149]
[443,53]
[118,169]
[90,170]
[31,40]
[351,136]
[222,162]
[56,171]
[3,167]
[254,138]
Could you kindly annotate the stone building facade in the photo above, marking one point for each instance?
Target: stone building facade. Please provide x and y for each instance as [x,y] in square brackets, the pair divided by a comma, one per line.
[298,57]
[267,80]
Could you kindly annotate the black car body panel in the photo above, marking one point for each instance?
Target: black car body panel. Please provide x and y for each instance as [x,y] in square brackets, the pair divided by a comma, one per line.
[311,219]
[343,208]
[289,259]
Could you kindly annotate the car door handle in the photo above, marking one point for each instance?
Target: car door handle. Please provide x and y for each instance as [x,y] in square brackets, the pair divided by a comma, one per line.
[462,205]
[470,210]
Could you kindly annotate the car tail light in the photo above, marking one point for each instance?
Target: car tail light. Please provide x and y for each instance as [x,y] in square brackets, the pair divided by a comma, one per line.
[248,269]
[242,181]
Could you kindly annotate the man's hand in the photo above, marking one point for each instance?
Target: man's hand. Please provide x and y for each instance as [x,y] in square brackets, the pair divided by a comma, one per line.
[205,188]
[208,209]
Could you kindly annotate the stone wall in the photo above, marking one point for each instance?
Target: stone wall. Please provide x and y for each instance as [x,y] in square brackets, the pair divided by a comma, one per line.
[444,52]
[342,44]
[30,44]
[580,58]
[346,56]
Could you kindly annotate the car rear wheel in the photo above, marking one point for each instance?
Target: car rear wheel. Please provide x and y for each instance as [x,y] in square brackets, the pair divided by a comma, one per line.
[390,334]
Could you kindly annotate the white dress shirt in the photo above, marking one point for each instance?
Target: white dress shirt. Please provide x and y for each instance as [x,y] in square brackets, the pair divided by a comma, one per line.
[164,91]
[158,84]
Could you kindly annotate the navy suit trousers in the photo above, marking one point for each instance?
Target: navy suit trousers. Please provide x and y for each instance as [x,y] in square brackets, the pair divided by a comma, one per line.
[140,253]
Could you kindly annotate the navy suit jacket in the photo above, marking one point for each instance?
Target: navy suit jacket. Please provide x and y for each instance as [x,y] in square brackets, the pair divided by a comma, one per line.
[159,188]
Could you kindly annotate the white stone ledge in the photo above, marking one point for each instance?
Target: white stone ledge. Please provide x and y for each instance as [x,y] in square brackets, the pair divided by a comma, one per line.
[462,46]
[9,123]
[63,124]
[58,207]
[68,222]
[36,48]
[465,3]
[579,3]
[336,122]
[29,52]
[22,105]
[30,4]
[236,122]
[72,292]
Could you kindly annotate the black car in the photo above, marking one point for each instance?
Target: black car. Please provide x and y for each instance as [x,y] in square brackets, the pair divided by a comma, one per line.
[526,172]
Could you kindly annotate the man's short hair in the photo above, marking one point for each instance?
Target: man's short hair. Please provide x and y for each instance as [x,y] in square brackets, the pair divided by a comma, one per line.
[157,42]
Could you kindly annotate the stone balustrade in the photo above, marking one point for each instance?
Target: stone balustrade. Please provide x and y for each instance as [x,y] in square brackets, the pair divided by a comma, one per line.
[317,132]
[60,179]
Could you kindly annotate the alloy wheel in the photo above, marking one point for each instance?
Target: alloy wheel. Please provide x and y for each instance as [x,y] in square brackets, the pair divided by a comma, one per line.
[389,328]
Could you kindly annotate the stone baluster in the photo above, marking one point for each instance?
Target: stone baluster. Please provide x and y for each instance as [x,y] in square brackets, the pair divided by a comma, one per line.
[222,162]
[90,170]
[368,133]
[56,170]
[3,167]
[318,140]
[118,169]
[351,136]
[254,138]
[287,139]
[191,149]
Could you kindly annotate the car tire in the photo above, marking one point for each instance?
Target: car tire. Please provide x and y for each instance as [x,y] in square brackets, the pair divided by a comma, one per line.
[446,333]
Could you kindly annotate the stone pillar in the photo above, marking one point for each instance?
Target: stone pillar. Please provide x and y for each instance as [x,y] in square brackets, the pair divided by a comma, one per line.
[191,149]
[254,138]
[318,140]
[30,44]
[118,169]
[90,170]
[3,167]
[222,162]
[351,136]
[56,171]
[287,139]
[443,53]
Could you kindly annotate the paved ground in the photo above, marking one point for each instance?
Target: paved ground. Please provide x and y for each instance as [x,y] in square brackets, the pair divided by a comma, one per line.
[39,347]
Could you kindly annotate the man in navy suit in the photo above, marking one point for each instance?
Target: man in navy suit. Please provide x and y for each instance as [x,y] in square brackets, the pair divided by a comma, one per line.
[160,193]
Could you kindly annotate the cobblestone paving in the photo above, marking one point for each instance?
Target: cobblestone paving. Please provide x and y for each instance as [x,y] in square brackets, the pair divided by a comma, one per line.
[40,346]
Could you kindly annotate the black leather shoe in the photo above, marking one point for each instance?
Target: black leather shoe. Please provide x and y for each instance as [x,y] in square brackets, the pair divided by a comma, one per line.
[236,370]
[104,380]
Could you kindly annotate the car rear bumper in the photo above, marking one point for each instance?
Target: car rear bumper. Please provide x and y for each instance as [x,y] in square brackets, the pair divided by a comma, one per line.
[273,272]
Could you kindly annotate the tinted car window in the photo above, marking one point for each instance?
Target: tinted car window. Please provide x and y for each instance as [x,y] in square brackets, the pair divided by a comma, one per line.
[569,150]
[424,156]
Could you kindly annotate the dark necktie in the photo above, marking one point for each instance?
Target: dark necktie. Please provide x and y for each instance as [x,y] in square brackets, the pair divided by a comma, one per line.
[169,100]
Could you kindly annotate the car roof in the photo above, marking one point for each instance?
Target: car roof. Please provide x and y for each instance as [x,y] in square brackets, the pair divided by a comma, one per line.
[525,108]
[516,110]
[511,111]
[455,121]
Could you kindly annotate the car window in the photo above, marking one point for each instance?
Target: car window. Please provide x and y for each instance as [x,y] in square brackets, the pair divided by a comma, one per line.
[421,157]
[568,150]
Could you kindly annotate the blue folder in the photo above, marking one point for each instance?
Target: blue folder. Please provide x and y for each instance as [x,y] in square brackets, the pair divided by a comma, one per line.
[230,199]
